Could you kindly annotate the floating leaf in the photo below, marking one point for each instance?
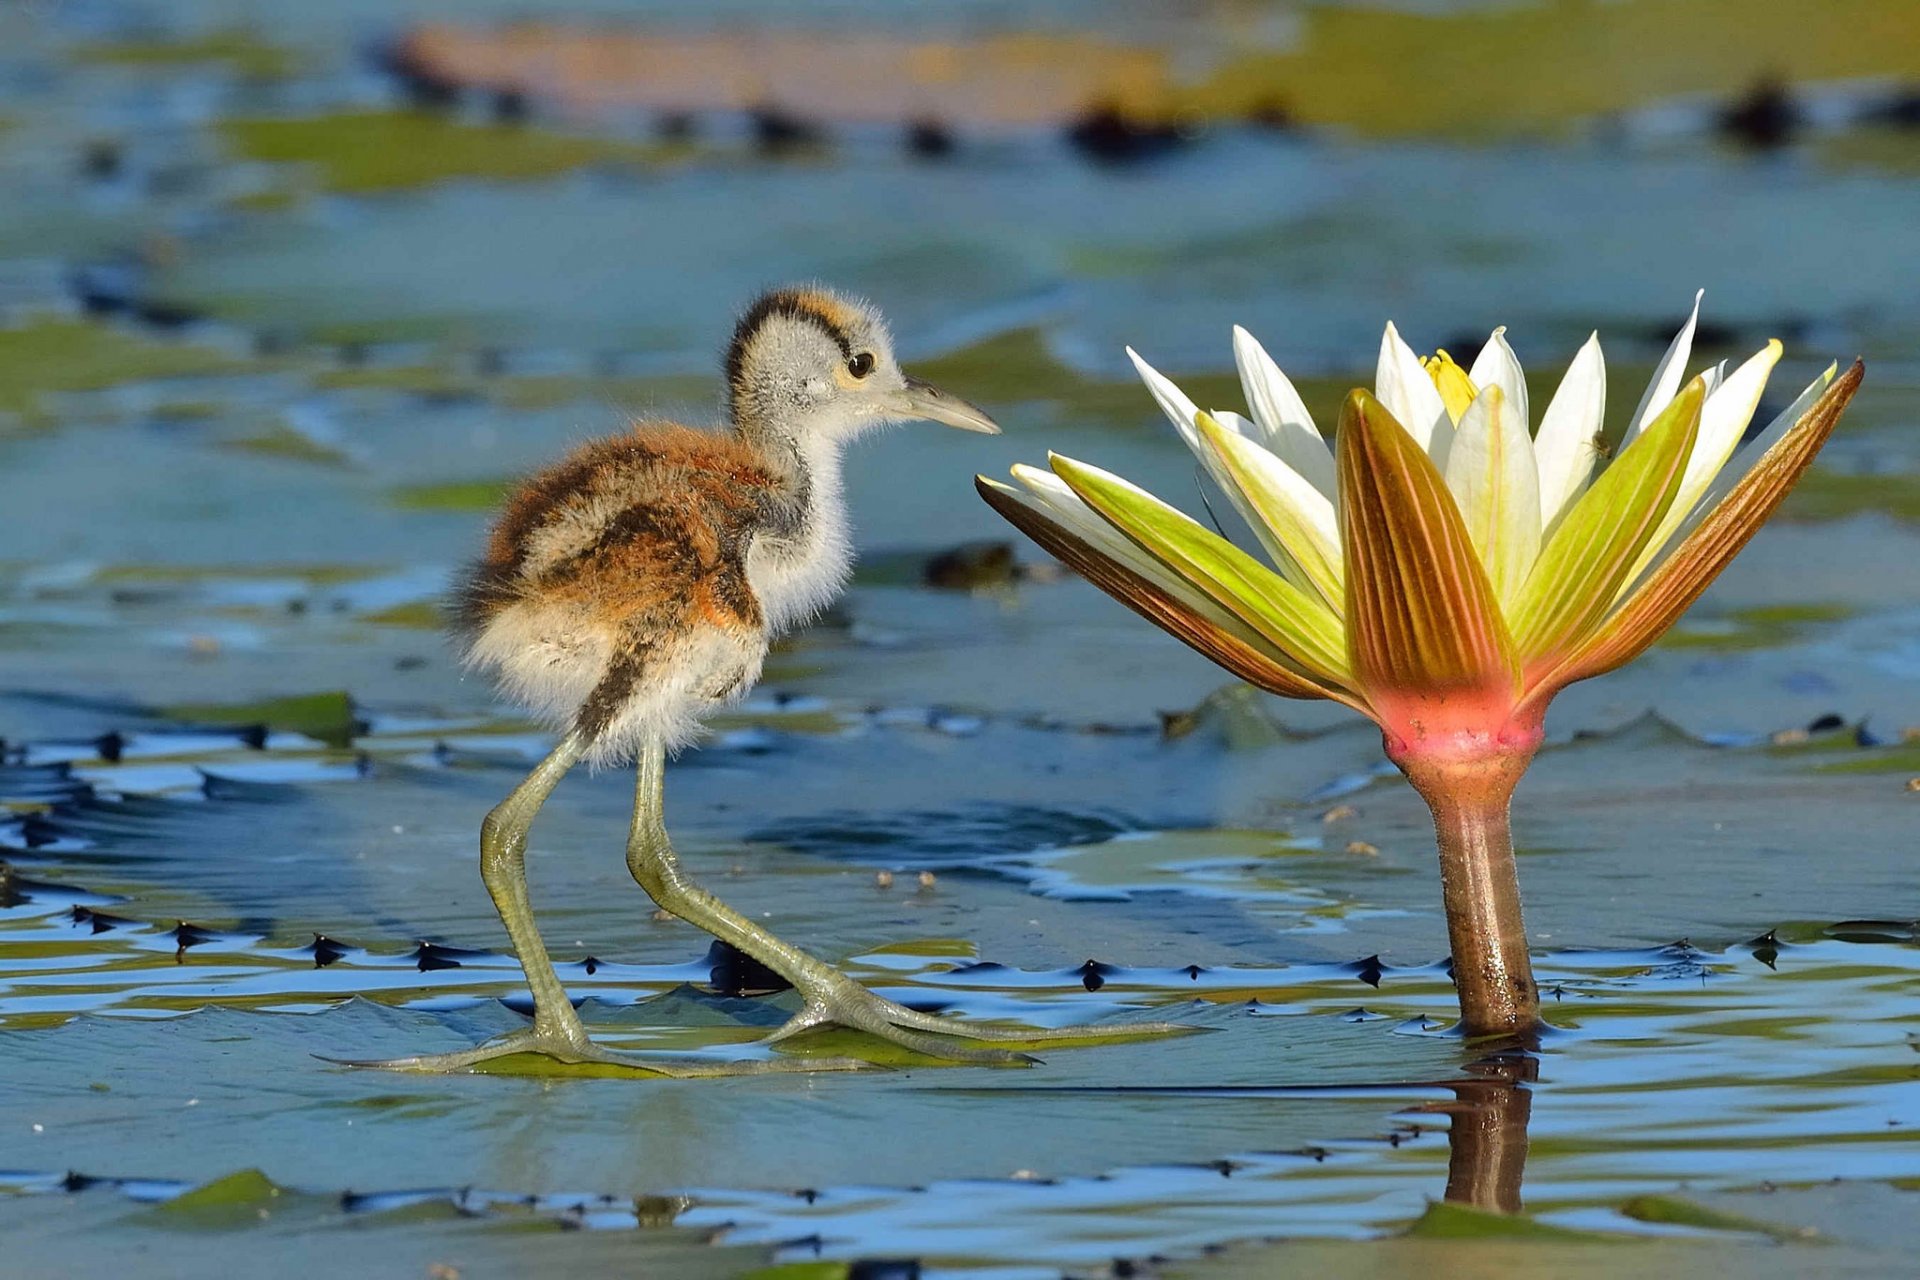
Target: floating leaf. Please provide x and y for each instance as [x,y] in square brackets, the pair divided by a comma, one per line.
[1445,1220]
[327,716]
[1678,1212]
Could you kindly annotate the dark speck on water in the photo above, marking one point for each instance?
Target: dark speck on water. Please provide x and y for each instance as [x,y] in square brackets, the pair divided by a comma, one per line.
[1108,134]
[1766,118]
[780,132]
[929,139]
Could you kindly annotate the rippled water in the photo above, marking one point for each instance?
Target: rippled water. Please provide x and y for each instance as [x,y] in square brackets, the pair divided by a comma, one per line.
[249,419]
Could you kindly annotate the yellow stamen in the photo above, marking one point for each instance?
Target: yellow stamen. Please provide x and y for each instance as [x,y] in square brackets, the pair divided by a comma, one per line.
[1456,388]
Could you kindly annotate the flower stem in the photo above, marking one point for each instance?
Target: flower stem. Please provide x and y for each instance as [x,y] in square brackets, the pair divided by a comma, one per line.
[1481,889]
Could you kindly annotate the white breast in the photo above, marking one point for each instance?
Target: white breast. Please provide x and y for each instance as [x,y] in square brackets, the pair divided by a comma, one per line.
[796,578]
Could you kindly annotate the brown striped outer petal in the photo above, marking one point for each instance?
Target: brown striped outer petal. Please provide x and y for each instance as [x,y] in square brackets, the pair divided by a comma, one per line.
[1247,661]
[1672,587]
[1422,620]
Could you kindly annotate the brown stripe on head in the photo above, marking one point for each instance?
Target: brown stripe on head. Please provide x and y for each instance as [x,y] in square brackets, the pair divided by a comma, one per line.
[835,317]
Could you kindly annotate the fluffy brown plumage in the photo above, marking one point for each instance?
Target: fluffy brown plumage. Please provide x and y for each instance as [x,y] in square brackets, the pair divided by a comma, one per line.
[633,587]
[629,553]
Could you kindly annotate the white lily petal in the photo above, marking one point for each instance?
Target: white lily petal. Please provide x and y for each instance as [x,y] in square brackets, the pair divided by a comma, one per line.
[1241,425]
[1497,366]
[1408,392]
[1731,475]
[1712,378]
[1297,560]
[1496,482]
[1756,449]
[1723,420]
[1172,400]
[1289,429]
[1566,446]
[1288,510]
[1667,376]
[1181,410]
[1064,506]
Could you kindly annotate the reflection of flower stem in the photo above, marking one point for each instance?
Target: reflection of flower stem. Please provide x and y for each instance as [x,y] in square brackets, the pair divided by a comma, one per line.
[1487,1145]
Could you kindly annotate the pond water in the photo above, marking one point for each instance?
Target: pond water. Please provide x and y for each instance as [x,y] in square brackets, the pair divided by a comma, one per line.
[269,348]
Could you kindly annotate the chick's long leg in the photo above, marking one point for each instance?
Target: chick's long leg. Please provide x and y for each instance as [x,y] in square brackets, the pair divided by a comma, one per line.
[831,996]
[557,1030]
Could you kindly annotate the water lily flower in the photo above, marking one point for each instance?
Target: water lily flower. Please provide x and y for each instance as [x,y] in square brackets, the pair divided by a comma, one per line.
[1443,567]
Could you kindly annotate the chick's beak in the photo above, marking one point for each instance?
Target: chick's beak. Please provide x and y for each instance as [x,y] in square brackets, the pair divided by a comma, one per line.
[925,401]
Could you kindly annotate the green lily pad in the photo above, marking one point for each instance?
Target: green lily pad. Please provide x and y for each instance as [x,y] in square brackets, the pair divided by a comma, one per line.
[1680,1212]
[1445,1220]
[329,716]
[377,151]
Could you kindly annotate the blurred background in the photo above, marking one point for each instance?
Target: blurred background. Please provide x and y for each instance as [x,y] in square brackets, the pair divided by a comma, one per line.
[290,290]
[293,288]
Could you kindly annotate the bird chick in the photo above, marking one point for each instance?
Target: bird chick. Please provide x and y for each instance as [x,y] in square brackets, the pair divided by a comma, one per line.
[631,589]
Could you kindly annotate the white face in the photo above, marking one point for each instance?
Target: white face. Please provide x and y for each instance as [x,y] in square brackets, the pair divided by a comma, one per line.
[808,375]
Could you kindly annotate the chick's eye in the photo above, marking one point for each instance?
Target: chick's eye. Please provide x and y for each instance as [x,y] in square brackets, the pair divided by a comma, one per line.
[861,365]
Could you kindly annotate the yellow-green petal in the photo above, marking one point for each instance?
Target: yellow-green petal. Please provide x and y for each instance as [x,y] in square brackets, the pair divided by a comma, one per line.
[1293,512]
[1294,621]
[1582,566]
[1724,416]
[1204,627]
[1657,602]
